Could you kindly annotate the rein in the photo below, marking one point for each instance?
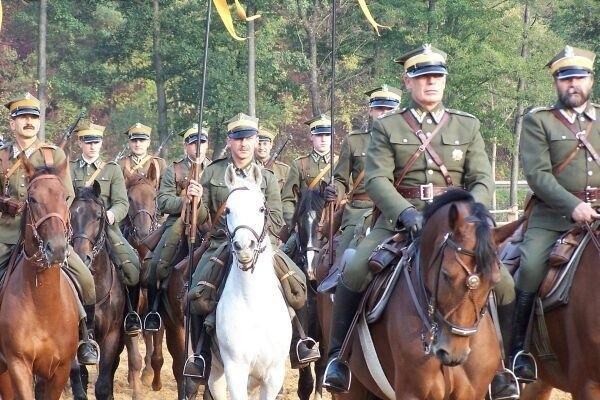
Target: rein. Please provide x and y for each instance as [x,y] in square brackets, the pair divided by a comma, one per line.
[259,237]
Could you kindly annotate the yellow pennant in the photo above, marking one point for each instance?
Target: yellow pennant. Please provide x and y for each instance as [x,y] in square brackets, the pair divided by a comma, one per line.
[242,14]
[225,14]
[365,10]
[0,14]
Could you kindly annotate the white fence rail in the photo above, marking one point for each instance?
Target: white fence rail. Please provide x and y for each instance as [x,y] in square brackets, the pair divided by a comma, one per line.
[513,212]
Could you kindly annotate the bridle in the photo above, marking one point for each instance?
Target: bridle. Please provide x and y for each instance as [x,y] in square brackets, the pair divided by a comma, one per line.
[40,257]
[154,224]
[259,237]
[433,317]
[98,241]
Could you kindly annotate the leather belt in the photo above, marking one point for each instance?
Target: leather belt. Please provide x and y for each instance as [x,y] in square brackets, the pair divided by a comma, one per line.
[589,195]
[361,197]
[422,192]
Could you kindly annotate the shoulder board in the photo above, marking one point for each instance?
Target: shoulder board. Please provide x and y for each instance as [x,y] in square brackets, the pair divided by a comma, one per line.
[358,132]
[48,146]
[218,160]
[75,160]
[595,105]
[543,108]
[462,113]
[301,157]
[393,112]
[179,161]
[111,162]
[281,163]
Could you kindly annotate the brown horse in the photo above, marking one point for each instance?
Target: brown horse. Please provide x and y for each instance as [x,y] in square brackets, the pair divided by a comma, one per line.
[574,338]
[434,340]
[38,310]
[88,219]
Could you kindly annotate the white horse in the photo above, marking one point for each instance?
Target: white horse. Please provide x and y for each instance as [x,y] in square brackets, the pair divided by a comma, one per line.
[253,327]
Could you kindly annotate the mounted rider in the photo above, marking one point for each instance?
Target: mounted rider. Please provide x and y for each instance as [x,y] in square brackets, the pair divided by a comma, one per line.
[25,124]
[263,155]
[138,161]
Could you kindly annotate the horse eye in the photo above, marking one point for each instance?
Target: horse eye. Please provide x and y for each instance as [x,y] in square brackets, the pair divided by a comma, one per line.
[227,211]
[263,209]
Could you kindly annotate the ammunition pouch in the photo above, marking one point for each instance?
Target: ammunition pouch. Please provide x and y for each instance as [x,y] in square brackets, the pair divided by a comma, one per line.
[292,279]
[565,246]
[10,206]
[204,296]
[388,252]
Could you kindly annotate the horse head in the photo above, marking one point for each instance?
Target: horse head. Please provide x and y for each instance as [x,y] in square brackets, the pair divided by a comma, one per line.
[46,213]
[458,268]
[88,220]
[308,222]
[246,214]
[143,210]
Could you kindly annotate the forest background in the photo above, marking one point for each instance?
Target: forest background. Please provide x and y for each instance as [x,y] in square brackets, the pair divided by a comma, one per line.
[140,61]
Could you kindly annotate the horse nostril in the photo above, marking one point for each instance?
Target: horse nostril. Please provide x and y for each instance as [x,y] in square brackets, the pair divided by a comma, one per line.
[88,260]
[252,244]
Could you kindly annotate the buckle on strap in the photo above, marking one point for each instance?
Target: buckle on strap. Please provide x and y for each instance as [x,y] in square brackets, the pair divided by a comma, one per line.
[426,192]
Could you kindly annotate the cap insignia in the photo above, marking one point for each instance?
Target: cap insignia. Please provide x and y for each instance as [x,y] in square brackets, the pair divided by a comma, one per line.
[569,51]
[427,48]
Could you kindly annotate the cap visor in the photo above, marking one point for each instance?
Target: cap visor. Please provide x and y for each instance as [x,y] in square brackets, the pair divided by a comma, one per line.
[141,136]
[244,133]
[25,111]
[383,103]
[428,70]
[572,73]
[321,130]
[91,139]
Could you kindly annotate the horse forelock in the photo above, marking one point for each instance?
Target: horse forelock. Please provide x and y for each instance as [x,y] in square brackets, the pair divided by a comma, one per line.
[485,249]
[451,196]
[311,200]
[87,193]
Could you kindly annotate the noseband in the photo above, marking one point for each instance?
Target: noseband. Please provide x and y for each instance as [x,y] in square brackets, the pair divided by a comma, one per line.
[259,237]
[40,257]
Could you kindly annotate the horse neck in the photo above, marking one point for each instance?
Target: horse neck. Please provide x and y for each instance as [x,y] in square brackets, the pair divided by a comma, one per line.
[103,271]
[43,284]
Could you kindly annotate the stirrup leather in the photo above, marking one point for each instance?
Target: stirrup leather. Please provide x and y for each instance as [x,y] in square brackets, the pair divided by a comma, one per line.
[513,378]
[335,388]
[138,320]
[151,315]
[311,344]
[195,367]
[522,353]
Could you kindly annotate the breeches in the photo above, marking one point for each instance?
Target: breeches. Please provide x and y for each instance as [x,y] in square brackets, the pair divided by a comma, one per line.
[205,262]
[124,256]
[83,275]
[165,252]
[535,250]
[505,289]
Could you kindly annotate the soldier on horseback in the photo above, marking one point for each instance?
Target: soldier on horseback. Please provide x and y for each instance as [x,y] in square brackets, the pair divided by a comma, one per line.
[415,154]
[84,171]
[25,124]
[559,155]
[138,161]
[263,156]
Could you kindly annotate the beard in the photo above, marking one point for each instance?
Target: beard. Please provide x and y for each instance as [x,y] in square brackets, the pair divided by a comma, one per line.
[574,97]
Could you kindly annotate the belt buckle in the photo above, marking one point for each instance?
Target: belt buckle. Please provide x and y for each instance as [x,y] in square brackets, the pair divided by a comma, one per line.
[426,192]
[590,194]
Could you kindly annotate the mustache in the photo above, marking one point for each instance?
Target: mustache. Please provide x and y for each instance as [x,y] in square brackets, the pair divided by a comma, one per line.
[574,91]
[29,126]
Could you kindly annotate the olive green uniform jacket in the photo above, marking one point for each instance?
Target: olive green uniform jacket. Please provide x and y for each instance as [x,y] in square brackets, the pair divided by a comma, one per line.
[281,171]
[302,172]
[135,165]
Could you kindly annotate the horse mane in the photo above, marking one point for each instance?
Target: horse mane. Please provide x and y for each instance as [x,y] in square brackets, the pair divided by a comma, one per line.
[310,199]
[485,250]
[136,179]
[87,193]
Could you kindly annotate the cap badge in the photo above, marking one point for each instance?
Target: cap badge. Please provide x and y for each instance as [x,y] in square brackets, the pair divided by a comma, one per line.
[385,88]
[569,51]
[457,154]
[138,125]
[27,95]
[427,48]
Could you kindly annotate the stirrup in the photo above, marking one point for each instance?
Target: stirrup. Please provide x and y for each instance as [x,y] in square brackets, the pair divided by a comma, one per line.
[151,315]
[334,388]
[525,354]
[136,317]
[195,367]
[94,345]
[512,378]
[310,344]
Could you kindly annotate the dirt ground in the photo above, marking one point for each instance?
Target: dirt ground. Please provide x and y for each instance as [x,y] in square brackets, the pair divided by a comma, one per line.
[169,390]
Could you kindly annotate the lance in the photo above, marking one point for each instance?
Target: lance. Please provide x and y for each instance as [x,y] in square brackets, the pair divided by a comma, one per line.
[196,174]
[331,205]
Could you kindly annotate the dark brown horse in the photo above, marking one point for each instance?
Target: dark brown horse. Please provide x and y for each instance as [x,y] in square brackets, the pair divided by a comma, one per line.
[88,220]
[434,340]
[38,310]
[574,338]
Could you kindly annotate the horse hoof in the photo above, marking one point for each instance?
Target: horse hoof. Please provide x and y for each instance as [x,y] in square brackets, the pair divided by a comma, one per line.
[147,377]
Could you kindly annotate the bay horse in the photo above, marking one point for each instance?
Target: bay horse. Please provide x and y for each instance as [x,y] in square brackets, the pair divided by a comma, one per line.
[435,340]
[88,221]
[253,328]
[307,220]
[38,311]
[573,362]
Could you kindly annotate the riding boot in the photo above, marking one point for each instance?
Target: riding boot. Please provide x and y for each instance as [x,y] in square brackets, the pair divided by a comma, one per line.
[197,366]
[523,364]
[504,386]
[337,373]
[303,350]
[132,323]
[88,351]
[152,322]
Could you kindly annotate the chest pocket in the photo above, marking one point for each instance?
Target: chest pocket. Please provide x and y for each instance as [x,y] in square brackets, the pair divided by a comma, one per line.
[404,145]
[453,149]
[218,193]
[562,144]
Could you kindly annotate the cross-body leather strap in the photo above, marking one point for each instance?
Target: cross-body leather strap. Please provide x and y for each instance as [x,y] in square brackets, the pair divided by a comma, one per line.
[90,181]
[581,137]
[317,178]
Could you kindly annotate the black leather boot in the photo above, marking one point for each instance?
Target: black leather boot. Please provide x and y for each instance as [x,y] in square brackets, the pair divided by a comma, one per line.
[303,351]
[152,322]
[504,386]
[132,323]
[88,351]
[337,374]
[523,363]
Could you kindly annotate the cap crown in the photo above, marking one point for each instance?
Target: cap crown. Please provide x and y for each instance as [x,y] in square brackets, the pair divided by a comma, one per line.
[265,134]
[571,62]
[25,103]
[319,124]
[384,96]
[90,129]
[139,129]
[423,60]
[188,133]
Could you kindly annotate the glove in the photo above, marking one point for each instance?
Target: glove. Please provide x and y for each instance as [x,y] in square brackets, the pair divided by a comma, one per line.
[412,220]
[330,193]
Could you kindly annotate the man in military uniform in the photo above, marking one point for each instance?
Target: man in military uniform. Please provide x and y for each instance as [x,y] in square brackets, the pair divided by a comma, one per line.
[263,155]
[464,163]
[349,172]
[563,172]
[171,200]
[138,161]
[25,124]
[84,171]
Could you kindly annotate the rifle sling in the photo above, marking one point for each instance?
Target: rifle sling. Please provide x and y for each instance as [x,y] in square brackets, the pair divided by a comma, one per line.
[90,181]
[317,178]
[580,136]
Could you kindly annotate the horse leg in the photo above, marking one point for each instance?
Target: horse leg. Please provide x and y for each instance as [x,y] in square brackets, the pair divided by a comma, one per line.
[538,390]
[305,383]
[6,390]
[134,363]
[271,385]
[76,382]
[53,387]
[110,345]
[21,378]
[148,372]
[237,382]
[216,380]
[320,367]
[157,360]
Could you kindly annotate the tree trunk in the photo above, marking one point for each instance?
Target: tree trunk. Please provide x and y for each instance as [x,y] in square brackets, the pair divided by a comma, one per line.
[161,97]
[251,62]
[431,19]
[43,24]
[313,86]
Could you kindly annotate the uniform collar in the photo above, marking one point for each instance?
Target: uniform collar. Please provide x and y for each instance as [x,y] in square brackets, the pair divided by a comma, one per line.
[16,150]
[244,172]
[83,162]
[571,115]
[137,159]
[320,157]
[420,114]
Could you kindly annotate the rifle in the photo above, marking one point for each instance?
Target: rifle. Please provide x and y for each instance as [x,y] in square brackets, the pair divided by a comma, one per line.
[276,154]
[64,138]
[223,152]
[121,154]
[164,142]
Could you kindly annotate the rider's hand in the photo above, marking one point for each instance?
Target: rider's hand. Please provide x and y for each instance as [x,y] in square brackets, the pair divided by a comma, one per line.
[584,213]
[412,220]
[330,193]
[110,217]
[194,189]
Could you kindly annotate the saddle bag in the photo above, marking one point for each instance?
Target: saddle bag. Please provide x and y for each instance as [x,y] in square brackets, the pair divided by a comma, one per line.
[151,241]
[11,207]
[387,253]
[565,246]
[292,279]
[203,297]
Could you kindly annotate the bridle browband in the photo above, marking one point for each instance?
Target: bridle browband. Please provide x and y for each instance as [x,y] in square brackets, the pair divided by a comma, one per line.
[259,237]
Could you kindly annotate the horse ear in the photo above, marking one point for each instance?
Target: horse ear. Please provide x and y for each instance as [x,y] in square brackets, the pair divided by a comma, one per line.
[296,191]
[255,174]
[502,233]
[230,177]
[62,168]
[152,173]
[96,187]
[28,166]
[453,217]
